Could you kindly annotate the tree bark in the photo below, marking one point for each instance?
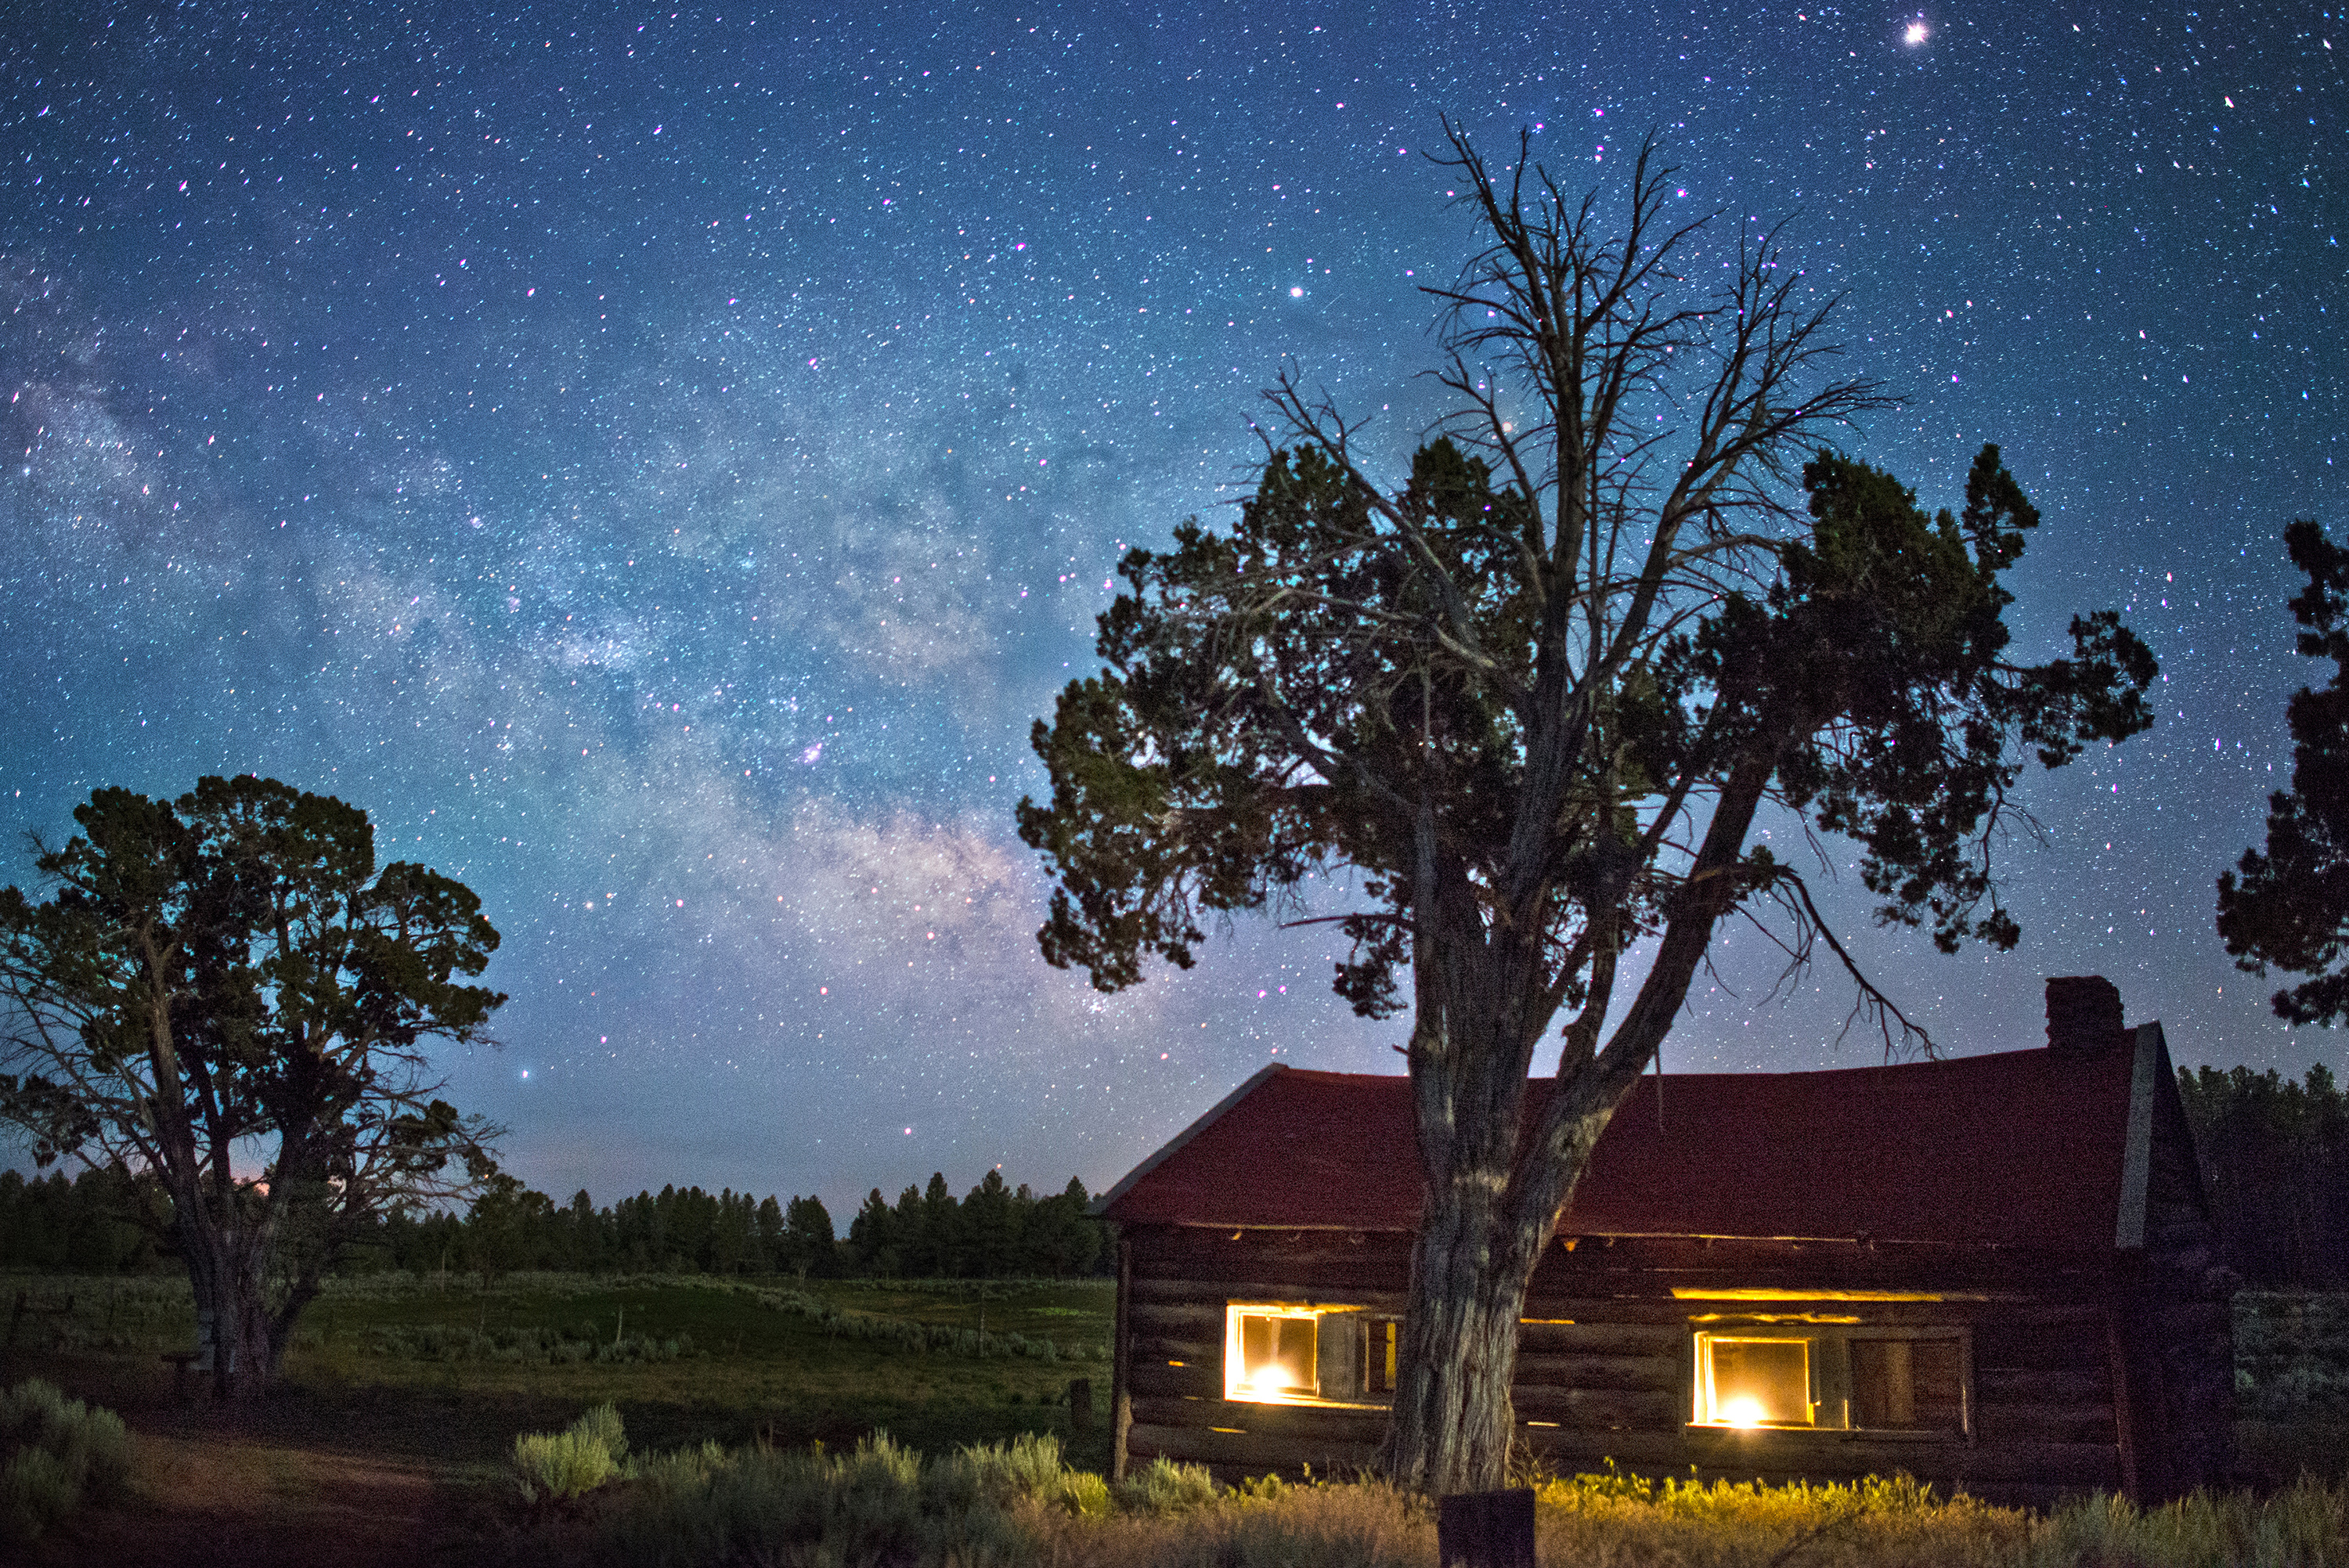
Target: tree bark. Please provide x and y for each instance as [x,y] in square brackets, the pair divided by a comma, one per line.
[1454,1419]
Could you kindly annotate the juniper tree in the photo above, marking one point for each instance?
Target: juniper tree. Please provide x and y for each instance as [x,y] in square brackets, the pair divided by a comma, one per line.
[230,978]
[1535,692]
[2291,908]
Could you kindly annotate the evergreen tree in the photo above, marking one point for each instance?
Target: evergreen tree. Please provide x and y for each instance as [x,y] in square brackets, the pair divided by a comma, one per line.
[808,1241]
[872,1248]
[989,1235]
[226,992]
[2290,909]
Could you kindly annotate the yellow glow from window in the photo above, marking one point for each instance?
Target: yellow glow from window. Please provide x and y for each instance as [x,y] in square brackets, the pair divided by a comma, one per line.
[1754,1382]
[1271,1353]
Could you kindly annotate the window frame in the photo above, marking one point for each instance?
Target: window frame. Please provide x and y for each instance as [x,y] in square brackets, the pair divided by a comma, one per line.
[1350,1320]
[1829,1375]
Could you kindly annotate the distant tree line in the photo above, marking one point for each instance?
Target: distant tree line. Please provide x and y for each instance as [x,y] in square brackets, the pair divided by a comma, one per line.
[2276,1164]
[2275,1155]
[104,1222]
[89,1223]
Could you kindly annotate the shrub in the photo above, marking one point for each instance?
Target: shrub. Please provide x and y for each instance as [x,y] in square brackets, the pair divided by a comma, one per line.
[55,1453]
[560,1466]
[1164,1487]
[2303,1526]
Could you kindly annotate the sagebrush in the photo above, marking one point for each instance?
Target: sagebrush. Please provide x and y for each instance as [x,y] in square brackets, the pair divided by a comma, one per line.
[54,1454]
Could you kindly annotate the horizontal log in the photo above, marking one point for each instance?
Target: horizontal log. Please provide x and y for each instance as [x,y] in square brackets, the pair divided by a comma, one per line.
[1219,1292]
[1946,1266]
[1200,1320]
[1598,1337]
[2019,1423]
[1305,1423]
[1599,1408]
[2060,1347]
[1950,1459]
[1250,1451]
[2089,1385]
[1154,1346]
[1156,1378]
[1191,1242]
[1597,1371]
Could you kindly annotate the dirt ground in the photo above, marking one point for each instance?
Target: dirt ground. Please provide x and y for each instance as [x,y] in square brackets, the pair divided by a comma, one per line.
[306,1477]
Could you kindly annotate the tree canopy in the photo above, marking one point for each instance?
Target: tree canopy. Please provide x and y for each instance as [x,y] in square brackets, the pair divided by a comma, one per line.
[2290,909]
[229,977]
[1535,694]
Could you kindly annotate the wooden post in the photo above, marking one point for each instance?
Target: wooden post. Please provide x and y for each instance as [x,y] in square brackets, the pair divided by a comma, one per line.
[1485,1529]
[1081,1404]
[1121,1390]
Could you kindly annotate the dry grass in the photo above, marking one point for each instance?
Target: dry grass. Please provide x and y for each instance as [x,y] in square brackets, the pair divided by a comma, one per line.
[1020,1505]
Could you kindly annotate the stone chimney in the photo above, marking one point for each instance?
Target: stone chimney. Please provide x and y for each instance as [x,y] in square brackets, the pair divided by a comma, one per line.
[2084,1013]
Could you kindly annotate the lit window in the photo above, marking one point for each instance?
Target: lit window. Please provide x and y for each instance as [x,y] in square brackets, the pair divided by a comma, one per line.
[1754,1382]
[1271,1353]
[1322,1353]
[1854,1379]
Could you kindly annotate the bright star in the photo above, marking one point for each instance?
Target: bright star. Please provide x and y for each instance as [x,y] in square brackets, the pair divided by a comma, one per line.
[1917,31]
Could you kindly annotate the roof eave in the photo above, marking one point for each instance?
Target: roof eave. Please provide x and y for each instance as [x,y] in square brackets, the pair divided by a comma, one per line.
[1100,1207]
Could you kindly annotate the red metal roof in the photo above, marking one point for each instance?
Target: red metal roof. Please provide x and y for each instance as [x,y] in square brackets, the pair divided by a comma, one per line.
[2022,1147]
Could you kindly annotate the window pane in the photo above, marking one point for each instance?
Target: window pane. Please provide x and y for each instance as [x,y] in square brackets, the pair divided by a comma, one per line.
[1277,1354]
[1379,1355]
[1912,1384]
[1760,1382]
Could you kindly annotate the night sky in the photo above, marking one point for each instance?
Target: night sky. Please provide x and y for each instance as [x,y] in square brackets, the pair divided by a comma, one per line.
[658,463]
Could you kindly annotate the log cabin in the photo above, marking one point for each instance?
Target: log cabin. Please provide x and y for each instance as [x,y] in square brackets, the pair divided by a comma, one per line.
[1994,1273]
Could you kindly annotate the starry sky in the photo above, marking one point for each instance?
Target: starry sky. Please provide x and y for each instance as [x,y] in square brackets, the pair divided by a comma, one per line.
[659,461]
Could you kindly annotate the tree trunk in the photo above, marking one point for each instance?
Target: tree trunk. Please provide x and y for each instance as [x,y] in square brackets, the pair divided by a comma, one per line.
[1454,1420]
[244,1338]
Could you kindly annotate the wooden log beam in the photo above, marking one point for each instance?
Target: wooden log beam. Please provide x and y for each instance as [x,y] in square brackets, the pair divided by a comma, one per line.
[1250,1451]
[1549,1371]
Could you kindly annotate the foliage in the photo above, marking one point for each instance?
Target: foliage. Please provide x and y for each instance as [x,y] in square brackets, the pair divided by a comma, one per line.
[562,1466]
[993,1504]
[1162,1485]
[994,1232]
[975,1343]
[2291,908]
[228,973]
[103,1220]
[808,1242]
[2292,1356]
[991,1233]
[55,1453]
[98,1221]
[526,1346]
[2274,1155]
[1535,695]
[2303,1526]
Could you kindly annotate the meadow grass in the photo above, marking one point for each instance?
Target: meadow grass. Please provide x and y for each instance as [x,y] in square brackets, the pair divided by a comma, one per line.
[685,1357]
[756,1404]
[1019,1504]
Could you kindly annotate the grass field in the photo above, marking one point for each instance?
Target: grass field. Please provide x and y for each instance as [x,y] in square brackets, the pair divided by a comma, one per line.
[685,1359]
[391,1441]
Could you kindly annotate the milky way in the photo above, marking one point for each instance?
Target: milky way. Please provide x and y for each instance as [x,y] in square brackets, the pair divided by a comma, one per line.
[659,465]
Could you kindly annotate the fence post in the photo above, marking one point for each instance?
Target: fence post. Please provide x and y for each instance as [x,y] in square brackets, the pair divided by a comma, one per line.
[1485,1529]
[1081,1404]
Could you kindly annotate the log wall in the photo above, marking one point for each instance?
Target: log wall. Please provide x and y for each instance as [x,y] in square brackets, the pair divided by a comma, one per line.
[1605,1358]
[2177,1330]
